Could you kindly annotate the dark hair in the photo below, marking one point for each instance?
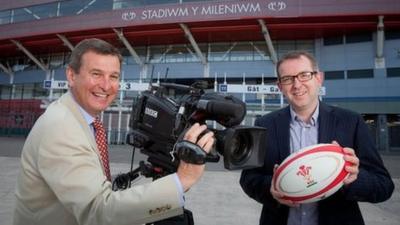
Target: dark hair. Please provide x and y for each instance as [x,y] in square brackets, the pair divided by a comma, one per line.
[297,55]
[95,45]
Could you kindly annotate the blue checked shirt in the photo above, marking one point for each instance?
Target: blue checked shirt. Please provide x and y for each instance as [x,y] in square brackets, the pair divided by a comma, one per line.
[303,134]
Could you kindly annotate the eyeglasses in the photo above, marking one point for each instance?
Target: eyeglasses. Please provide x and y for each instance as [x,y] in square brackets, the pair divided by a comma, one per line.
[302,77]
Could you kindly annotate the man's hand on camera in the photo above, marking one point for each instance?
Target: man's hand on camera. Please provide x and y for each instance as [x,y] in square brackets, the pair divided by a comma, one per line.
[188,173]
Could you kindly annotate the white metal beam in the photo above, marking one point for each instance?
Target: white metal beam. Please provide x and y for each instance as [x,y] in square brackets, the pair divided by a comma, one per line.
[66,41]
[31,13]
[192,41]
[261,53]
[132,51]
[228,51]
[268,40]
[380,39]
[29,54]
[85,7]
[7,70]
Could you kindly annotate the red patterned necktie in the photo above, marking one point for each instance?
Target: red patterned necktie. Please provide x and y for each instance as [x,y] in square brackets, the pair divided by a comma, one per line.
[101,141]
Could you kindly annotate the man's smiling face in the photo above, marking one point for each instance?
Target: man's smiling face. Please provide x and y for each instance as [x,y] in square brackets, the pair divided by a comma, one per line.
[96,83]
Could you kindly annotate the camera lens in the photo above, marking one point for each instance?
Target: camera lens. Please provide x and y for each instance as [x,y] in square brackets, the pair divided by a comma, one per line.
[240,148]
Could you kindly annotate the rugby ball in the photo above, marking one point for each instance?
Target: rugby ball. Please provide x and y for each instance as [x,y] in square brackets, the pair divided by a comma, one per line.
[311,174]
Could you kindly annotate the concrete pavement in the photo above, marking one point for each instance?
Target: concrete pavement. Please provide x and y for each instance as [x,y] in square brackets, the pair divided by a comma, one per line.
[216,200]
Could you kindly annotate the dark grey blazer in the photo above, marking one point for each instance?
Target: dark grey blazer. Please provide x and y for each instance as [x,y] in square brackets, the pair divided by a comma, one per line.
[373,184]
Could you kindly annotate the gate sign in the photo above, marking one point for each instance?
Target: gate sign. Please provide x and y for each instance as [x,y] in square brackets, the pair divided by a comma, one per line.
[244,88]
[55,84]
[256,88]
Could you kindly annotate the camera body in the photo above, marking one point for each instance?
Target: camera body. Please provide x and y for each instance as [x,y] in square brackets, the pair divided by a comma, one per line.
[158,122]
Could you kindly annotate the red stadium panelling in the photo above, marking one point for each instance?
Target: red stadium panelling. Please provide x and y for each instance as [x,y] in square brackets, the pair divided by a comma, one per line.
[19,113]
[214,21]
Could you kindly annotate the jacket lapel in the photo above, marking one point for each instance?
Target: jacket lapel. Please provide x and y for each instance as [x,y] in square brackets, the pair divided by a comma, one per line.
[283,133]
[326,121]
[70,103]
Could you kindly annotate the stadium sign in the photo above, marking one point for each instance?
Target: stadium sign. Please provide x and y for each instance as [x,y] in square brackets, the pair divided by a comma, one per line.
[225,9]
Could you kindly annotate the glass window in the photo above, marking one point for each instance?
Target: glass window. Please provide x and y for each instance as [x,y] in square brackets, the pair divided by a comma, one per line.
[56,61]
[77,7]
[196,0]
[157,54]
[5,91]
[304,45]
[27,91]
[334,75]
[39,91]
[393,72]
[177,53]
[21,15]
[128,58]
[238,51]
[242,52]
[260,51]
[18,91]
[118,4]
[392,34]
[36,12]
[220,51]
[360,37]
[283,47]
[333,40]
[5,17]
[356,74]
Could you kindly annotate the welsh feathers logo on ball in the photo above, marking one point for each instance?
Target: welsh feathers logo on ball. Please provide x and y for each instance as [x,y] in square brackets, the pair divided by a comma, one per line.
[311,174]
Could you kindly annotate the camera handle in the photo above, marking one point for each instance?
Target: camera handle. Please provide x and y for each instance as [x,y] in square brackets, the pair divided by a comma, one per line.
[192,153]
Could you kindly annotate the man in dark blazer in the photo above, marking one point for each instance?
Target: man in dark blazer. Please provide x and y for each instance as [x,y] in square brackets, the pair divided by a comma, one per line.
[308,121]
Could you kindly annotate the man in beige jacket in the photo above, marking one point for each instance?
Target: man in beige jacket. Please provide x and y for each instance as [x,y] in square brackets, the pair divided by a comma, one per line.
[62,180]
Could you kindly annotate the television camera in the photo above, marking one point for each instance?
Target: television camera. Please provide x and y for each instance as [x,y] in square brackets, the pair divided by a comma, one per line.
[158,123]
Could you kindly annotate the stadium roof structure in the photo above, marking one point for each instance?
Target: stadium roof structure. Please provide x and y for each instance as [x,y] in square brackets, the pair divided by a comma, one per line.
[202,22]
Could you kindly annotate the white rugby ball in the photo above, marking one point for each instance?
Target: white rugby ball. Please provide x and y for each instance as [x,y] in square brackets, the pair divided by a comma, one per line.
[311,174]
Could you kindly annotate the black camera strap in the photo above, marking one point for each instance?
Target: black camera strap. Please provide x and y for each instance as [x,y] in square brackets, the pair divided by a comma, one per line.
[190,152]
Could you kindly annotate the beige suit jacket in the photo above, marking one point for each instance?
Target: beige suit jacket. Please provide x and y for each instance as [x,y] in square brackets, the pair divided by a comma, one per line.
[61,180]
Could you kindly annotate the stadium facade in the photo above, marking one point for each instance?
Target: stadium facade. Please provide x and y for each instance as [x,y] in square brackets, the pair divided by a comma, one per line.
[231,44]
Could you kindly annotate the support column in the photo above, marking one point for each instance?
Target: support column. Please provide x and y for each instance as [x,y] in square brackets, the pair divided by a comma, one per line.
[203,59]
[380,39]
[30,55]
[6,69]
[136,57]
[65,41]
[267,37]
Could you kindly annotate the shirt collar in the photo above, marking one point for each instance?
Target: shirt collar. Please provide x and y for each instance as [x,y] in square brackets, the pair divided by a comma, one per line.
[88,118]
[314,117]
